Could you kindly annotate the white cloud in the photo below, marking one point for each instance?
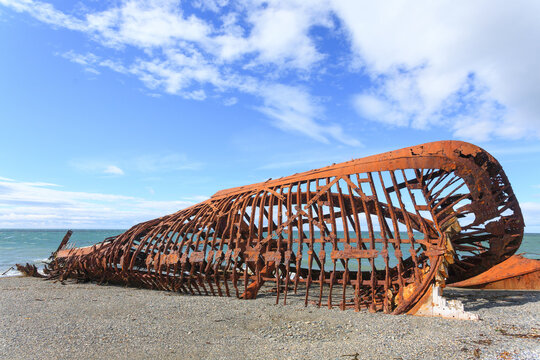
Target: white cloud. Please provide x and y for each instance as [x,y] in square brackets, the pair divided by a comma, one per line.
[471,68]
[96,167]
[88,61]
[372,107]
[113,170]
[46,13]
[183,54]
[433,48]
[295,110]
[148,163]
[280,33]
[230,101]
[36,205]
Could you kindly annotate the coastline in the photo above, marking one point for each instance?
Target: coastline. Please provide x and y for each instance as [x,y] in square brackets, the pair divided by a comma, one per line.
[46,319]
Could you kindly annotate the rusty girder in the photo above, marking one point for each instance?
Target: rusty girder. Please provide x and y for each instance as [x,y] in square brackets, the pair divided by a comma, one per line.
[370,233]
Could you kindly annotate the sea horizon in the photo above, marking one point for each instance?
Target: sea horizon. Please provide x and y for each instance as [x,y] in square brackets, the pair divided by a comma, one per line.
[35,245]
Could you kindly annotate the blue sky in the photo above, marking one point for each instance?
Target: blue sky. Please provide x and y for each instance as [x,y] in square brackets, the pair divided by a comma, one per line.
[116,112]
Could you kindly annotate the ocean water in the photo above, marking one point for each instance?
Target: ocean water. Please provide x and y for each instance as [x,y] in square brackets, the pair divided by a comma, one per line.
[35,246]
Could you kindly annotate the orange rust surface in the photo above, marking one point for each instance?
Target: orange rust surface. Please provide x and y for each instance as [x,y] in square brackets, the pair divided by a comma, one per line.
[517,272]
[370,233]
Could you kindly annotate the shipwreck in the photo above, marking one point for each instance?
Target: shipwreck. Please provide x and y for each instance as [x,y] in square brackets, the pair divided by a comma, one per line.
[382,233]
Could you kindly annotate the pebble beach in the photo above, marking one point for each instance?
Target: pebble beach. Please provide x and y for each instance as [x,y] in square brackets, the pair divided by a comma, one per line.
[44,319]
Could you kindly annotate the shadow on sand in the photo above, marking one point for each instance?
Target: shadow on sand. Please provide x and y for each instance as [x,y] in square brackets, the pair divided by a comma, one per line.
[474,299]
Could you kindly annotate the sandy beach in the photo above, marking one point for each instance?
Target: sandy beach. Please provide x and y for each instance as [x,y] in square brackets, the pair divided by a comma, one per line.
[42,319]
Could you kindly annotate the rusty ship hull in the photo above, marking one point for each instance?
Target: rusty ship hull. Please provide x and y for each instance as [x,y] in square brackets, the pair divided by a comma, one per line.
[374,233]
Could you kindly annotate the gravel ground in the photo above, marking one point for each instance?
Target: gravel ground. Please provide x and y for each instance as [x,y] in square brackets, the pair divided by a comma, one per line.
[42,319]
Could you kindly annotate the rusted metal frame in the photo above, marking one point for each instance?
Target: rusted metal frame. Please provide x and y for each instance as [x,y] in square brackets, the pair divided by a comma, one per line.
[289,250]
[373,279]
[360,240]
[129,274]
[251,235]
[257,249]
[183,228]
[172,268]
[383,230]
[159,257]
[359,243]
[321,221]
[212,268]
[322,253]
[187,241]
[442,237]
[410,233]
[444,186]
[157,235]
[138,250]
[378,210]
[269,266]
[432,187]
[448,196]
[202,264]
[232,249]
[397,245]
[237,227]
[145,249]
[322,191]
[160,263]
[195,259]
[415,205]
[402,184]
[431,174]
[511,199]
[227,241]
[134,255]
[213,257]
[314,221]
[378,206]
[164,243]
[184,247]
[280,237]
[300,227]
[347,241]
[219,255]
[311,242]
[450,206]
[240,246]
[435,261]
[333,236]
[123,245]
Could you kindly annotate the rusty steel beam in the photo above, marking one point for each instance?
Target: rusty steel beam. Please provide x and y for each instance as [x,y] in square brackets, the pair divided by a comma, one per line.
[515,273]
[375,233]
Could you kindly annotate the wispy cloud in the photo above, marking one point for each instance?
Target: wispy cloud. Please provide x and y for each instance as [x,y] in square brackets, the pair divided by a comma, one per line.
[148,163]
[295,110]
[230,101]
[188,56]
[113,170]
[37,205]
[474,72]
[96,167]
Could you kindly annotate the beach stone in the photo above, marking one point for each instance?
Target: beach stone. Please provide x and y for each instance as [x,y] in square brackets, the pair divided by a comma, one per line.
[76,321]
